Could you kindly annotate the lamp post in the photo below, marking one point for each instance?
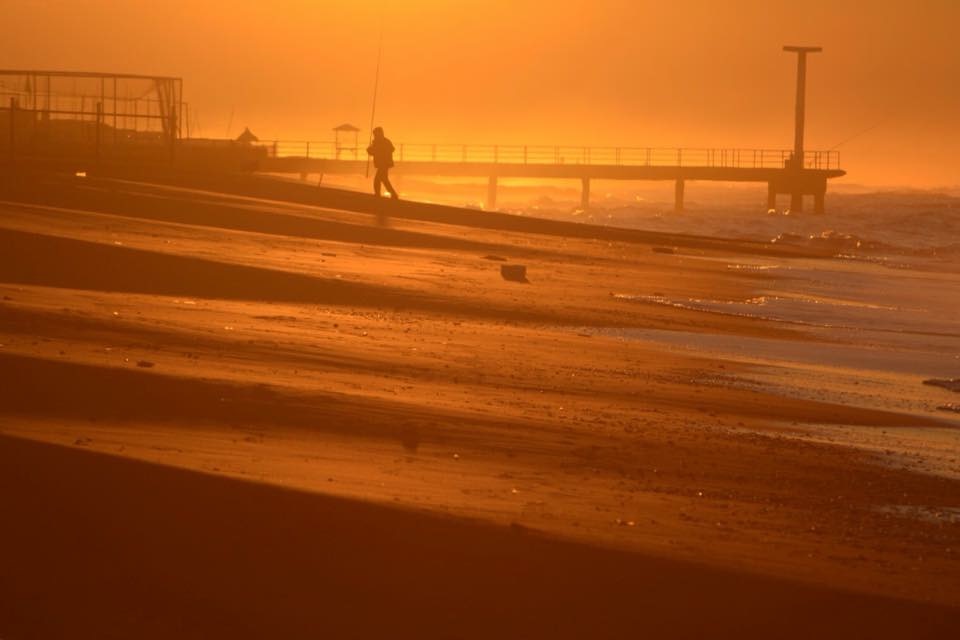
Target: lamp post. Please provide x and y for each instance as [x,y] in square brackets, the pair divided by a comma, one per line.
[796,198]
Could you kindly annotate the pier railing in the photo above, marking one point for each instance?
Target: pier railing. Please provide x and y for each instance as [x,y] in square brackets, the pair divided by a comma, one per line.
[570,155]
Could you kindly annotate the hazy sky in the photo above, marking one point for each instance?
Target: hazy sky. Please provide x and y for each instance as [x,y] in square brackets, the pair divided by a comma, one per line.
[695,73]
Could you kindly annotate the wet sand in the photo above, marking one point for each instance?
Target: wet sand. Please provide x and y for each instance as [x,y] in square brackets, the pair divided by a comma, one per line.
[239,407]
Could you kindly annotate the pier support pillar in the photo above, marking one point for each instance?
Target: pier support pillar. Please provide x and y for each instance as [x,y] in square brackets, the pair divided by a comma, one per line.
[678,195]
[492,193]
[771,197]
[819,195]
[818,204]
[585,193]
[818,200]
[796,202]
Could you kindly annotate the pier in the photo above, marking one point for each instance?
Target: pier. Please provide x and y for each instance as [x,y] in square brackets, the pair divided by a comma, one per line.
[777,168]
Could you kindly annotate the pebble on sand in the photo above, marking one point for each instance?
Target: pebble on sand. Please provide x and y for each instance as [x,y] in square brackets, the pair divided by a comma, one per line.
[514,272]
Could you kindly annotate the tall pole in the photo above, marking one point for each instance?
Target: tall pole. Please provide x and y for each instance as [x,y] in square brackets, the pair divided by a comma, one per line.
[796,197]
[801,99]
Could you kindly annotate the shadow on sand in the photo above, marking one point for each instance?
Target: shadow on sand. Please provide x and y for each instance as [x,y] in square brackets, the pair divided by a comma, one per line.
[40,388]
[90,265]
[103,547]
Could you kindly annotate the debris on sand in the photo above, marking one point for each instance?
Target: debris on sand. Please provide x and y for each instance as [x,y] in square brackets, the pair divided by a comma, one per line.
[951,406]
[514,272]
[831,240]
[670,250]
[146,364]
[495,258]
[952,384]
[410,438]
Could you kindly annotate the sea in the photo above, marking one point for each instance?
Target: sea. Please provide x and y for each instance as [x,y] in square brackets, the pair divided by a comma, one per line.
[876,324]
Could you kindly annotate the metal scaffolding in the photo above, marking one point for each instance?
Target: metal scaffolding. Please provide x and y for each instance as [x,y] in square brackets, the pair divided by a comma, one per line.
[77,113]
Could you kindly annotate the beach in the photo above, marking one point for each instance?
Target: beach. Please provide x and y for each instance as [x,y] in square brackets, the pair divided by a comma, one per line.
[246,407]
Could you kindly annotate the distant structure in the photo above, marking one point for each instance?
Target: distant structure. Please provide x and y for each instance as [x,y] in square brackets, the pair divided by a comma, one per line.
[56,114]
[75,120]
[340,147]
[247,137]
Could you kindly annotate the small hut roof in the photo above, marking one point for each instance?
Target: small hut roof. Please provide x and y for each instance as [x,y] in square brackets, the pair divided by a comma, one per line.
[346,127]
[247,136]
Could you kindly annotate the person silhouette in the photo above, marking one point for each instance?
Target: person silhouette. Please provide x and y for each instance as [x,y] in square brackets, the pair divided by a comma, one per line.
[382,151]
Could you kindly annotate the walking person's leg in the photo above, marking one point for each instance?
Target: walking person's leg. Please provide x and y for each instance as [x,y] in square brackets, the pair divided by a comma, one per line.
[377,182]
[389,185]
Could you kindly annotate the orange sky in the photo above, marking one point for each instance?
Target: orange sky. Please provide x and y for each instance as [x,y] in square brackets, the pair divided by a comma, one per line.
[597,72]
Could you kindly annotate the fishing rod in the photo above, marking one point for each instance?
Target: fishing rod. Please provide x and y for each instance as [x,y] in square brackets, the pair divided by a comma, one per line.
[373,108]
[875,125]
